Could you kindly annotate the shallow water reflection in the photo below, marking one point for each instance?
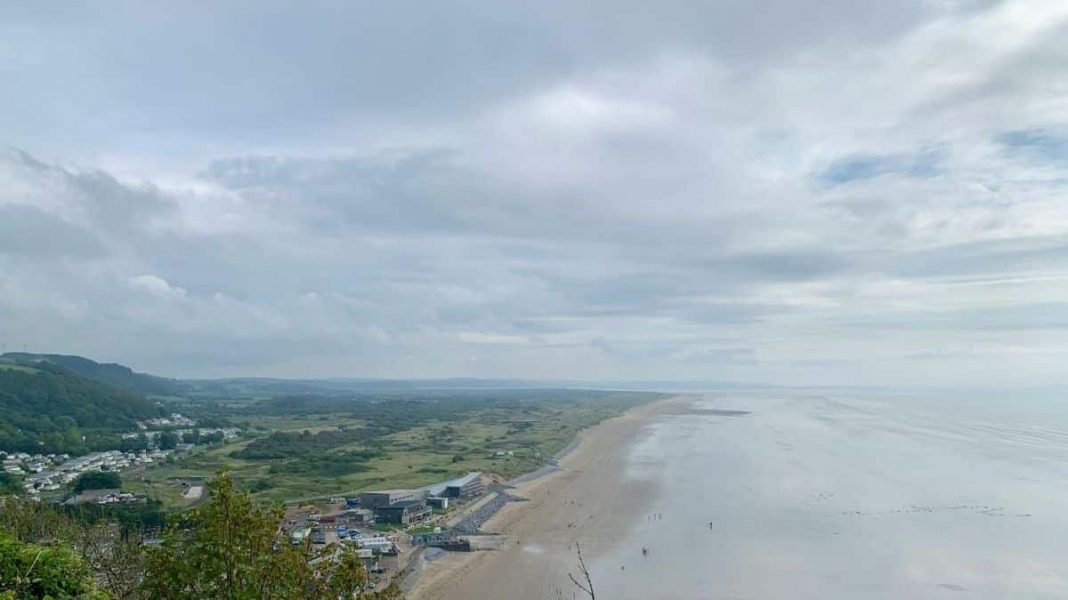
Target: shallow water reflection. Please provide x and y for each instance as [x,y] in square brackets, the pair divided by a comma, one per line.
[838,499]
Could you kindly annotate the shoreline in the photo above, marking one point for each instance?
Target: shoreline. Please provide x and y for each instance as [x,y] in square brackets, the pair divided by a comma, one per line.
[565,504]
[553,466]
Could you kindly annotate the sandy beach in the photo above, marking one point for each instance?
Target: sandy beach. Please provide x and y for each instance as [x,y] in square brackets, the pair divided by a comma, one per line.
[589,501]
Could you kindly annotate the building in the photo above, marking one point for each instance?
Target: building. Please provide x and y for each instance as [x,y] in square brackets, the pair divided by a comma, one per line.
[404,512]
[359,516]
[465,488]
[375,500]
[106,496]
[462,488]
[436,537]
[299,535]
[377,545]
[438,502]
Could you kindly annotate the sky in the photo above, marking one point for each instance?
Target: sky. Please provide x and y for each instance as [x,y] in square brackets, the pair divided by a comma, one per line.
[833,192]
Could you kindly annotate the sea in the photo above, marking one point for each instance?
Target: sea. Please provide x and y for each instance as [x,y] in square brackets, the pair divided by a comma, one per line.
[797,496]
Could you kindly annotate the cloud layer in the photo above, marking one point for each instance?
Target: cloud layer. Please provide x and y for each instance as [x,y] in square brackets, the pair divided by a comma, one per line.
[756,191]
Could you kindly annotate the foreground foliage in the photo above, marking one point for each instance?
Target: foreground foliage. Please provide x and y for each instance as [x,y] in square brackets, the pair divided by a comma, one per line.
[31,571]
[110,550]
[229,549]
[232,550]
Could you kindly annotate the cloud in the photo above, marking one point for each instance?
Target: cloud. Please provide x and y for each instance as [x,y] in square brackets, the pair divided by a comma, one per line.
[28,231]
[157,286]
[735,190]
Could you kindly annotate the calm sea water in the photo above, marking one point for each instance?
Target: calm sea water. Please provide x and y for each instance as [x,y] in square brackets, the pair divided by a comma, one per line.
[846,499]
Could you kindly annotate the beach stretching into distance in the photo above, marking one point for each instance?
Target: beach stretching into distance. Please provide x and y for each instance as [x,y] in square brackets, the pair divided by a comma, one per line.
[584,502]
[785,496]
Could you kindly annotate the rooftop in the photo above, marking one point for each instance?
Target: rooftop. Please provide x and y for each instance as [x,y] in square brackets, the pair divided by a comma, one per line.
[405,504]
[438,488]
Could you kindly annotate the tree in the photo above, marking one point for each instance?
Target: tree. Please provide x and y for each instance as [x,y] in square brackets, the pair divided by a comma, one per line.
[168,440]
[116,559]
[134,444]
[32,522]
[348,579]
[231,549]
[111,550]
[9,484]
[97,480]
[29,571]
[212,438]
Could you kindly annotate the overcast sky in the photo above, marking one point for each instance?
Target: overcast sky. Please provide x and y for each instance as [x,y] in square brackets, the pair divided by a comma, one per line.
[760,190]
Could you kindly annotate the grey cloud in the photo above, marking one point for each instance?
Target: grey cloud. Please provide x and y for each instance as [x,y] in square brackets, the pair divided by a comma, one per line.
[28,231]
[1032,316]
[403,192]
[251,70]
[1012,90]
[978,260]
[796,264]
[430,192]
[96,194]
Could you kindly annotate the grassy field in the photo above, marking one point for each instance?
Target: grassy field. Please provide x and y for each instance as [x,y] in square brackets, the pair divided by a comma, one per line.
[5,366]
[505,438]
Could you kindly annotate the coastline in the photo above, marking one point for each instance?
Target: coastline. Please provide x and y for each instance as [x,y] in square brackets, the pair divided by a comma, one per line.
[568,502]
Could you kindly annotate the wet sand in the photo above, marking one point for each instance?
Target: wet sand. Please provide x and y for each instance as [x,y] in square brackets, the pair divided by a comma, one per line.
[791,497]
[589,501]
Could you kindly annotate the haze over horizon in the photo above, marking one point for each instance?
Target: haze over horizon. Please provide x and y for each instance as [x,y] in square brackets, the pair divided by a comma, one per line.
[840,193]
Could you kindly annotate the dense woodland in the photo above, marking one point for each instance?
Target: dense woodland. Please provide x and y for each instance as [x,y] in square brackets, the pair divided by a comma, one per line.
[50,409]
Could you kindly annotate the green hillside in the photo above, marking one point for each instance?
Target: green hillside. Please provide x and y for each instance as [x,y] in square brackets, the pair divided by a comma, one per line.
[116,375]
[47,408]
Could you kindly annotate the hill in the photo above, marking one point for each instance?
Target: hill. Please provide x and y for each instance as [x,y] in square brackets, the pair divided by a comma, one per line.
[47,408]
[116,375]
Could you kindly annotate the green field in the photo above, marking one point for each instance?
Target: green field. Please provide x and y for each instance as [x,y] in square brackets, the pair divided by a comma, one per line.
[407,441]
[300,439]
